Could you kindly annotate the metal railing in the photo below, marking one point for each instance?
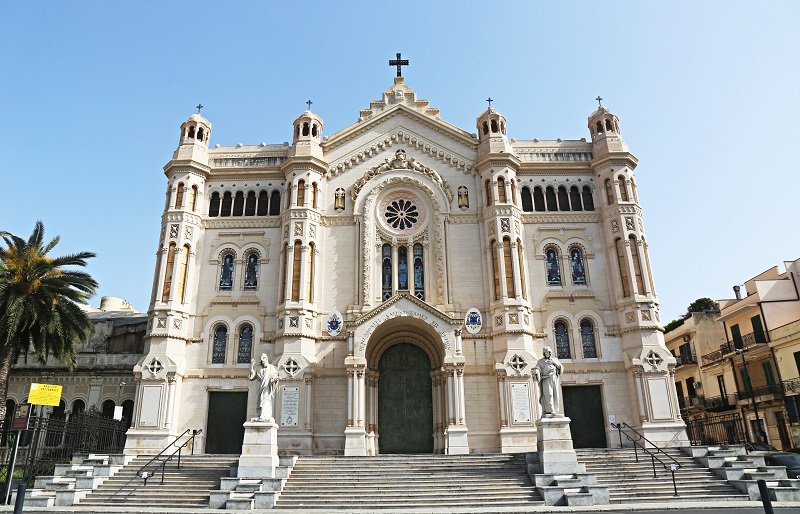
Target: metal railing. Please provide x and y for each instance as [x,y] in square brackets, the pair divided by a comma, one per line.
[721,403]
[791,386]
[748,341]
[721,429]
[754,392]
[671,467]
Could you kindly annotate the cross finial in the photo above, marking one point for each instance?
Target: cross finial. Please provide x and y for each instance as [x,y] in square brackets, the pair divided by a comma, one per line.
[599,101]
[309,102]
[489,100]
[199,106]
[398,62]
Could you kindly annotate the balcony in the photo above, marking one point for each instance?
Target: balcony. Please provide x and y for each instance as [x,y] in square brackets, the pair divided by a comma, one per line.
[773,390]
[748,341]
[791,387]
[692,402]
[721,403]
[685,359]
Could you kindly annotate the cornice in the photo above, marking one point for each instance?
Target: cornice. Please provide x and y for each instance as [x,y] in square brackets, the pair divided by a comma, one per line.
[561,217]
[272,222]
[615,159]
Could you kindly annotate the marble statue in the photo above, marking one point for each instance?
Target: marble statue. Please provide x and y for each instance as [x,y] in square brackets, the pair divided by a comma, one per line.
[268,375]
[547,372]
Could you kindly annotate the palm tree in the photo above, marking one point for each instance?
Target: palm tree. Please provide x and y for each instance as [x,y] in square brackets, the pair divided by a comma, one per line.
[39,299]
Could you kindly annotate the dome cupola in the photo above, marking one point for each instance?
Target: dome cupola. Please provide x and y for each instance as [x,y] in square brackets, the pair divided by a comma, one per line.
[307,134]
[491,125]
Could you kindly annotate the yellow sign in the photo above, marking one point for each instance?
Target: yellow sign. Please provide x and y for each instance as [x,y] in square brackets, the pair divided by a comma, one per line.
[45,394]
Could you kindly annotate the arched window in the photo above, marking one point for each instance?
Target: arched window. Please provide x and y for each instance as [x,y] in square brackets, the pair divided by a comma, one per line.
[275,203]
[550,196]
[107,409]
[609,192]
[623,268]
[578,266]
[562,340]
[419,272]
[263,203]
[509,265]
[219,345]
[575,198]
[609,128]
[200,133]
[179,196]
[213,205]
[250,204]
[297,259]
[563,199]
[193,198]
[284,269]
[183,272]
[538,199]
[494,126]
[488,193]
[637,265]
[314,130]
[227,202]
[127,413]
[521,268]
[168,273]
[288,195]
[496,268]
[297,130]
[245,350]
[310,275]
[238,204]
[305,128]
[226,273]
[623,191]
[501,190]
[514,192]
[527,200]
[78,407]
[386,271]
[552,266]
[191,132]
[633,189]
[485,128]
[588,203]
[588,342]
[301,193]
[314,194]
[402,268]
[599,127]
[251,272]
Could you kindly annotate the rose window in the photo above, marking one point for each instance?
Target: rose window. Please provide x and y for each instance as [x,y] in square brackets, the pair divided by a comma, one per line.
[401,214]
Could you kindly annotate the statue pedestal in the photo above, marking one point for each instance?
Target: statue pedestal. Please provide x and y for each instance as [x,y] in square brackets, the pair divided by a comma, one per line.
[259,450]
[554,447]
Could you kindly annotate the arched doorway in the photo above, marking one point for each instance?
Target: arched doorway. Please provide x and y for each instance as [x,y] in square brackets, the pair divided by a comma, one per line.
[405,406]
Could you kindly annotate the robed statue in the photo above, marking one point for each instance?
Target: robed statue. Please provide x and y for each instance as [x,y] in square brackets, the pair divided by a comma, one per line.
[547,372]
[268,376]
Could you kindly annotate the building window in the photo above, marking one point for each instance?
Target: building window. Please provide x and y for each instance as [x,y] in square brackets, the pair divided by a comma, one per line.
[509,265]
[538,199]
[238,204]
[550,197]
[562,340]
[577,265]
[637,265]
[609,192]
[495,267]
[250,204]
[623,269]
[386,272]
[552,266]
[521,268]
[588,203]
[297,259]
[501,190]
[623,190]
[402,268]
[275,203]
[588,342]
[768,374]
[183,272]
[168,273]
[226,273]
[301,193]
[245,351]
[575,198]
[219,344]
[193,198]
[227,202]
[179,196]
[527,200]
[213,205]
[251,272]
[563,199]
[263,203]
[419,272]
[311,268]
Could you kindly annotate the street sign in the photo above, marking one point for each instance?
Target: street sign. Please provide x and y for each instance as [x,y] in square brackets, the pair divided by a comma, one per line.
[22,416]
[44,394]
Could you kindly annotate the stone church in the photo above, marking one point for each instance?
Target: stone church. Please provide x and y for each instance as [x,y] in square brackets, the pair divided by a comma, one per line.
[404,275]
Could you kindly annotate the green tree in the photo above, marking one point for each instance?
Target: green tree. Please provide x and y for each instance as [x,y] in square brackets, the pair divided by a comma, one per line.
[39,297]
[700,305]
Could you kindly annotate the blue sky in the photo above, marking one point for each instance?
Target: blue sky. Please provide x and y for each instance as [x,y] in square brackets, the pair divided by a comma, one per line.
[92,95]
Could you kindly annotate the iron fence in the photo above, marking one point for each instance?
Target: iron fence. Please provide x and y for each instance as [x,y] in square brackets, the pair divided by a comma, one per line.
[725,429]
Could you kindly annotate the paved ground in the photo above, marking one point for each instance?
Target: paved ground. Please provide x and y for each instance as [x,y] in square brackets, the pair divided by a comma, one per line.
[652,508]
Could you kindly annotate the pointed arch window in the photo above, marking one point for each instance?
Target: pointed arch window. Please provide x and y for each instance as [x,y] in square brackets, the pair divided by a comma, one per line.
[637,265]
[165,291]
[419,272]
[297,259]
[250,204]
[588,203]
[623,190]
[263,203]
[245,350]
[562,340]
[563,199]
[179,196]
[251,272]
[588,343]
[496,268]
[227,202]
[527,200]
[238,204]
[521,268]
[311,269]
[623,268]
[219,344]
[609,192]
[275,203]
[538,199]
[509,265]
[213,205]
[386,272]
[550,196]
[193,198]
[575,198]
[552,266]
[301,193]
[577,266]
[226,273]
[501,190]
[402,268]
[182,273]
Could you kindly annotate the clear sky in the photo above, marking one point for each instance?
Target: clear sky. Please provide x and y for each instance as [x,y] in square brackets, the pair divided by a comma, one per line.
[92,95]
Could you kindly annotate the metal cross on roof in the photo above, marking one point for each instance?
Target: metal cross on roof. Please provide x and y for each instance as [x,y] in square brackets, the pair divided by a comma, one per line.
[599,100]
[309,102]
[490,101]
[199,106]
[398,62]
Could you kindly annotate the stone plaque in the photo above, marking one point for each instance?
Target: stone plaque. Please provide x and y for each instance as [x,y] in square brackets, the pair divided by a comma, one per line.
[520,403]
[151,406]
[290,406]
[659,398]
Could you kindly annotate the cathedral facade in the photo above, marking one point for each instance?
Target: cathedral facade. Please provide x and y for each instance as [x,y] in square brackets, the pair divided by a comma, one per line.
[404,275]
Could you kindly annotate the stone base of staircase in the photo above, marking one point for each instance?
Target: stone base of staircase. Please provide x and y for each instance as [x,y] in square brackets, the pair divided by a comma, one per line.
[252,493]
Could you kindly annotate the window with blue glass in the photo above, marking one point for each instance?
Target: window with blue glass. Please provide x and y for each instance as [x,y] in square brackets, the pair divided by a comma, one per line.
[219,344]
[226,273]
[578,267]
[419,272]
[588,342]
[402,268]
[552,266]
[251,272]
[386,272]
[562,340]
[245,345]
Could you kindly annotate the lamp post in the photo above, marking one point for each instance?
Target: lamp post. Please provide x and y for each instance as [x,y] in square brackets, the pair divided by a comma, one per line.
[748,388]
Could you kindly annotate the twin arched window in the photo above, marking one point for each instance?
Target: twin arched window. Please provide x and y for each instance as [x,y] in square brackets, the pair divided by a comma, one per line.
[587,334]
[577,266]
[552,266]
[227,269]
[405,276]
[169,273]
[219,344]
[560,199]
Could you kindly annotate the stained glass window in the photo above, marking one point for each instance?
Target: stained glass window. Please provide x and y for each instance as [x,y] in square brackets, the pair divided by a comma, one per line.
[562,340]
[226,273]
[245,345]
[419,272]
[553,268]
[577,265]
[251,272]
[587,339]
[402,268]
[386,272]
[401,214]
[218,347]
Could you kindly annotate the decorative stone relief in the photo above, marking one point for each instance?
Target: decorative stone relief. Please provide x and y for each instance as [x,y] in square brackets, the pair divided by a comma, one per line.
[492,229]
[173,231]
[155,367]
[516,226]
[400,162]
[517,363]
[280,323]
[286,231]
[614,226]
[653,359]
[291,367]
[658,316]
[312,231]
[527,319]
[161,323]
[187,233]
[629,225]
[176,323]
[505,225]
[308,323]
[298,228]
[294,322]
[646,315]
[630,317]
[498,321]
[513,319]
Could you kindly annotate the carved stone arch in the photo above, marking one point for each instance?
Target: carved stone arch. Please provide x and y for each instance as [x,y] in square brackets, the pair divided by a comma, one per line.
[549,241]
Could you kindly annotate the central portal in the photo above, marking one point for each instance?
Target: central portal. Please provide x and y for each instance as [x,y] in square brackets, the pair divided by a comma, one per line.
[405,409]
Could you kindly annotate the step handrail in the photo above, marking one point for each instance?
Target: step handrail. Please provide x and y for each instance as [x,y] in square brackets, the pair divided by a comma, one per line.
[140,473]
[672,468]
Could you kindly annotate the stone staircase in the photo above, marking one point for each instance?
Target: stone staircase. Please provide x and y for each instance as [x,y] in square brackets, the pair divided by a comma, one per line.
[632,482]
[188,486]
[71,482]
[409,481]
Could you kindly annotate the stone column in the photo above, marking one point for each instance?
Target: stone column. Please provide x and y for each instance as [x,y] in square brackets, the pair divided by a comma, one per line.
[457,441]
[350,397]
[355,433]
[395,274]
[309,382]
[170,399]
[501,390]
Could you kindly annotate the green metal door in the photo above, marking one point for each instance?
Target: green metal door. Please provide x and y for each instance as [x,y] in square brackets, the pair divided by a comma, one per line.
[227,412]
[583,405]
[405,411]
